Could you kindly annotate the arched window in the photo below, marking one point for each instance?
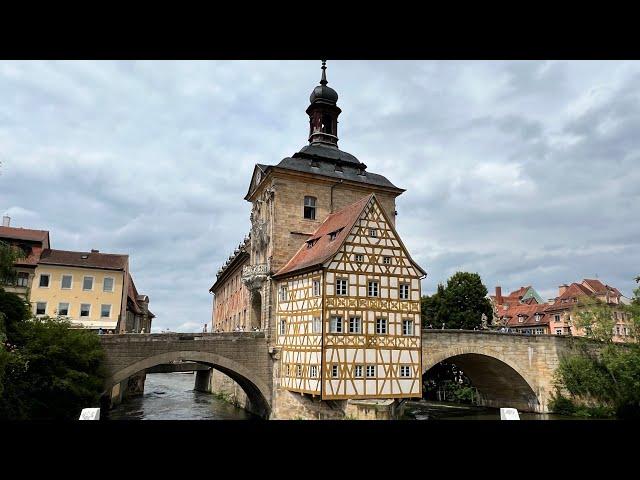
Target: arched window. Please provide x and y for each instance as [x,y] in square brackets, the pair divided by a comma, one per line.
[310,208]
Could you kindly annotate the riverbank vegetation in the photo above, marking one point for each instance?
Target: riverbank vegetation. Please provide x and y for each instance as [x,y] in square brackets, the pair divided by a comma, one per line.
[48,370]
[605,382]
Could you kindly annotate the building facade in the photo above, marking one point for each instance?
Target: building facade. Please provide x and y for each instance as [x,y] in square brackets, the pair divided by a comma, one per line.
[524,311]
[93,290]
[293,204]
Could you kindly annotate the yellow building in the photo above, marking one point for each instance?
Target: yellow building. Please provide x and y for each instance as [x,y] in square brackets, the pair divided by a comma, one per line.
[93,290]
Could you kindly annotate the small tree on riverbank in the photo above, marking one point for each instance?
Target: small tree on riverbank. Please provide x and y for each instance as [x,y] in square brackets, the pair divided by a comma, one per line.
[603,383]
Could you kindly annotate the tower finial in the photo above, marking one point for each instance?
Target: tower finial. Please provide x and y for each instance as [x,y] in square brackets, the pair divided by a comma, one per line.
[323,80]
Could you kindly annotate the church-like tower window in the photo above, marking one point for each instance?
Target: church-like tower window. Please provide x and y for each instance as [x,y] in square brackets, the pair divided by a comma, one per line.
[310,208]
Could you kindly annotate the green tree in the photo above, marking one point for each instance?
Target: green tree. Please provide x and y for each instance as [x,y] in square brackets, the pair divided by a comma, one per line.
[429,306]
[9,254]
[56,372]
[605,381]
[463,302]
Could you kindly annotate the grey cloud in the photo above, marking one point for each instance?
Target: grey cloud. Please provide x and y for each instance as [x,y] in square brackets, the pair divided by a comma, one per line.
[522,171]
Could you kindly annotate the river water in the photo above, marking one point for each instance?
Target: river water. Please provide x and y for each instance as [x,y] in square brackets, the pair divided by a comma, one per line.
[170,396]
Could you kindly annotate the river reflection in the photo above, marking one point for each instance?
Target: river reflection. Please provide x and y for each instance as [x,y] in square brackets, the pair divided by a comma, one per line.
[170,396]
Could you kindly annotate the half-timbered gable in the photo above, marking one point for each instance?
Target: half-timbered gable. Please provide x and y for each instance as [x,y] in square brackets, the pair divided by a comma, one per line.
[355,276]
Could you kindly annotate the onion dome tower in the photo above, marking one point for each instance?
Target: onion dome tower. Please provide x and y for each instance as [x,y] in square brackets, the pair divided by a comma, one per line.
[323,113]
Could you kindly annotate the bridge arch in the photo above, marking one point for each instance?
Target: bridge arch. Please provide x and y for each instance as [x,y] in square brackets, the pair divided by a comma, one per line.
[257,391]
[500,381]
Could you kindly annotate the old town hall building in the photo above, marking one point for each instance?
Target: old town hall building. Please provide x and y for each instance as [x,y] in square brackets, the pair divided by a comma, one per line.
[324,272]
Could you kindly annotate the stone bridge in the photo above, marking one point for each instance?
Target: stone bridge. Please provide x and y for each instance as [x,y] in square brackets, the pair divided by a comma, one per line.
[242,356]
[508,369]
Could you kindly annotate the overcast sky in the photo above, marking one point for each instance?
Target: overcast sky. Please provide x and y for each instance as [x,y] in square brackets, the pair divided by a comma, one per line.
[525,172]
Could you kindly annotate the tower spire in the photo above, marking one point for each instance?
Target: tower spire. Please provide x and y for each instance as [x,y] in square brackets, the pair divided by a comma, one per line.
[323,80]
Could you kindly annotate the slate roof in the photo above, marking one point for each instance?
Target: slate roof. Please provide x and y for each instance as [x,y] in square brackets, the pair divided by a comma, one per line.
[324,248]
[107,261]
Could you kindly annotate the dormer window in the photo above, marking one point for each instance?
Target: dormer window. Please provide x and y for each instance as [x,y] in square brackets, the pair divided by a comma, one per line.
[339,168]
[311,243]
[520,318]
[310,208]
[333,235]
[315,164]
[538,316]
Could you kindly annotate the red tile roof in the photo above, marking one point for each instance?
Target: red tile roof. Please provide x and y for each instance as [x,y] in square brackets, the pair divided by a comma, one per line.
[324,248]
[596,285]
[24,234]
[529,311]
[108,261]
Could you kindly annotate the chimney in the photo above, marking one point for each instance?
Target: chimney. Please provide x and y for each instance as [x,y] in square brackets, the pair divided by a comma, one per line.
[6,221]
[562,288]
[499,295]
[93,250]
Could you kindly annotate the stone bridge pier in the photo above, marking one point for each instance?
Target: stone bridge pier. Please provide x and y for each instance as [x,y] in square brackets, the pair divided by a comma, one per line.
[508,369]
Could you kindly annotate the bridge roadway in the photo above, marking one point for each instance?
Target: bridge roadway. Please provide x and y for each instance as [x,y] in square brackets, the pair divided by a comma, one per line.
[508,369]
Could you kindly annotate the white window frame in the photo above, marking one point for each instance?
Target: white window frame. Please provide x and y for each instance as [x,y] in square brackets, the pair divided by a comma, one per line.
[316,324]
[20,279]
[355,324]
[558,331]
[48,275]
[45,307]
[371,371]
[113,285]
[335,371]
[359,257]
[386,260]
[407,332]
[316,288]
[68,309]
[342,282]
[80,313]
[405,371]
[404,291]
[298,370]
[282,326]
[61,282]
[380,322]
[373,232]
[283,293]
[313,371]
[105,305]
[336,321]
[376,289]
[358,371]
[93,282]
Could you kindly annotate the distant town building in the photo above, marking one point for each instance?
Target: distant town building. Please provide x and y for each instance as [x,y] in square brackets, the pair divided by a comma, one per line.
[93,290]
[524,311]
